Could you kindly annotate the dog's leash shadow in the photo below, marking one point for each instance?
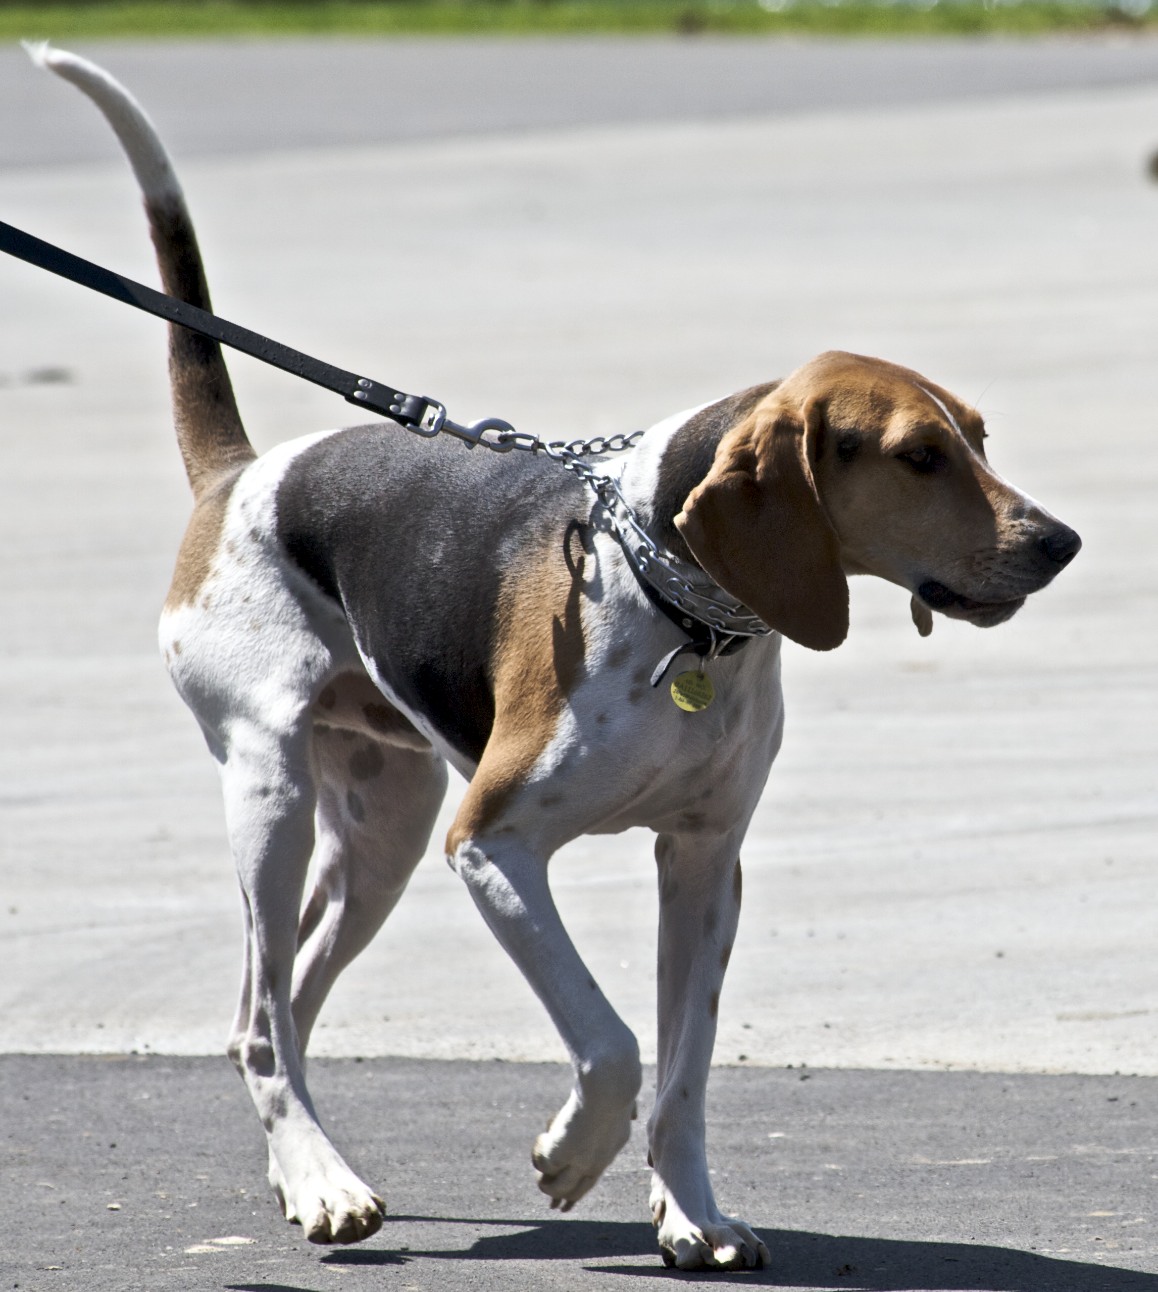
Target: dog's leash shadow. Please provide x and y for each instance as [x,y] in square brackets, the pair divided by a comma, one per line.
[799,1259]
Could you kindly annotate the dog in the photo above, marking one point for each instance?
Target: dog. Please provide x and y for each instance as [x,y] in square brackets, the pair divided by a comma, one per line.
[357,609]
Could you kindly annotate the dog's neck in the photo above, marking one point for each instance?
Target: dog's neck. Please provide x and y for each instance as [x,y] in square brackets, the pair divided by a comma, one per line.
[674,456]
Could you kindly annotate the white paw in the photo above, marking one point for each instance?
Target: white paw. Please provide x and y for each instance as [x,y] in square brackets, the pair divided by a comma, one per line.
[332,1208]
[577,1147]
[716,1242]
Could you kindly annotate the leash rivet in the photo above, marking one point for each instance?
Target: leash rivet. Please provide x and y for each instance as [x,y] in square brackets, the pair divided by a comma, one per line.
[364,383]
[360,394]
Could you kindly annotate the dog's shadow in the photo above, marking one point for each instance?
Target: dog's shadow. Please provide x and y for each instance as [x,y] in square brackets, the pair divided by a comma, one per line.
[799,1259]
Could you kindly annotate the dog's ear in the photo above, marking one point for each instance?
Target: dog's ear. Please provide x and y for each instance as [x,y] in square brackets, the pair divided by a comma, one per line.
[922,616]
[757,526]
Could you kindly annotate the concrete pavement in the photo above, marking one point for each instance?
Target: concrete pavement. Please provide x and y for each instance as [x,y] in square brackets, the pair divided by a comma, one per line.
[954,863]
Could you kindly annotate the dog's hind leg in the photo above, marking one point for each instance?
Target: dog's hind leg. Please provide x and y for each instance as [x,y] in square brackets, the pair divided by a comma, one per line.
[250,651]
[376,806]
[377,803]
[270,803]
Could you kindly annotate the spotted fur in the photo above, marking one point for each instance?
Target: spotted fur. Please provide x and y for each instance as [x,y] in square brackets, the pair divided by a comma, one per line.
[354,610]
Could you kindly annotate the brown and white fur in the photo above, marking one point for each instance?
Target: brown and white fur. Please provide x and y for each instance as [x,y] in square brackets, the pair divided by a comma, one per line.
[354,610]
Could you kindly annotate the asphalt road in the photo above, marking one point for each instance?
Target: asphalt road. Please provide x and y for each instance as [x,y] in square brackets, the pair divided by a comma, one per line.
[215,98]
[137,1173]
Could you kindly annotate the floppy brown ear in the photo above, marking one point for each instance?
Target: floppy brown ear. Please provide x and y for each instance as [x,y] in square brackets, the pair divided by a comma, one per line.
[756,525]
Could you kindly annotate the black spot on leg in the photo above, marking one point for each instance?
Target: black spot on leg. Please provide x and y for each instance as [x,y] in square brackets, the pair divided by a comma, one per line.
[551,800]
[711,919]
[635,694]
[619,656]
[355,806]
[592,984]
[714,1004]
[259,1059]
[683,1092]
[601,718]
[381,717]
[366,763]
[257,1051]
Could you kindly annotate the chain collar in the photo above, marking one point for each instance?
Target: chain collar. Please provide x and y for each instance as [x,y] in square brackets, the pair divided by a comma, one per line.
[699,601]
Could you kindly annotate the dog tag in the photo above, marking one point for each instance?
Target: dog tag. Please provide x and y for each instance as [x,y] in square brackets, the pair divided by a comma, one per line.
[693,691]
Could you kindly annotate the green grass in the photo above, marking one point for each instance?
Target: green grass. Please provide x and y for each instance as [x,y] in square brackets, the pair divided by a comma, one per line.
[73,19]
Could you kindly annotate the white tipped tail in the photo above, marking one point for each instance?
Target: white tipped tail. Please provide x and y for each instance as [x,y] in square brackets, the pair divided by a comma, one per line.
[138,135]
[209,429]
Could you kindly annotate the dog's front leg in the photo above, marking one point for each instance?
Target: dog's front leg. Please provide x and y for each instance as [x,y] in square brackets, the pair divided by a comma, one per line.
[508,881]
[699,892]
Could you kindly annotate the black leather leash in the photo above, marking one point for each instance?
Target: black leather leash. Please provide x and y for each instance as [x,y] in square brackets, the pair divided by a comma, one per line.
[415,412]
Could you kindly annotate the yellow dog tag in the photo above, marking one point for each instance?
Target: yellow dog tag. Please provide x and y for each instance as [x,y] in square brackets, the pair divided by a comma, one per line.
[693,691]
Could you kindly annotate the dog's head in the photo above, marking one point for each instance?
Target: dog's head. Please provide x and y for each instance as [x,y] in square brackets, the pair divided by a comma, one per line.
[856,466]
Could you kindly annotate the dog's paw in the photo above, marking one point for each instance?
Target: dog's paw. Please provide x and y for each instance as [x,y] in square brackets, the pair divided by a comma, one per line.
[577,1147]
[329,1209]
[717,1242]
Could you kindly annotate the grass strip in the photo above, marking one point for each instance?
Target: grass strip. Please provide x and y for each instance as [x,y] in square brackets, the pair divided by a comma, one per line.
[73,19]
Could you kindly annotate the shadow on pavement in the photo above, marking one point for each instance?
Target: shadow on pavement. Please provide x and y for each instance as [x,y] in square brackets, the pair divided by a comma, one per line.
[800,1260]
[265,1287]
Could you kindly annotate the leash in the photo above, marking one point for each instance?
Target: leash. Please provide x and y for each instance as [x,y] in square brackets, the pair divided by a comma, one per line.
[713,620]
[415,412]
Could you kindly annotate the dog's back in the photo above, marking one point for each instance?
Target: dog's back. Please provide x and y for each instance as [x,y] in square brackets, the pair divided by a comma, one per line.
[418,541]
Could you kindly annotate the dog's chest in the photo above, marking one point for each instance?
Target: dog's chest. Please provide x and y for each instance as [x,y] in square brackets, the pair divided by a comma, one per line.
[625,754]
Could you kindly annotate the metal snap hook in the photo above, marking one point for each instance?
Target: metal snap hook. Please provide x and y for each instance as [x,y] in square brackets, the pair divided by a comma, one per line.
[473,433]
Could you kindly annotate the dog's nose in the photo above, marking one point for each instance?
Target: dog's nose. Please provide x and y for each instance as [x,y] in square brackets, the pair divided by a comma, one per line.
[1061,545]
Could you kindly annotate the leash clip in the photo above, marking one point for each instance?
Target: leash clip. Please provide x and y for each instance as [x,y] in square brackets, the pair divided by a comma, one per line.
[473,433]
[435,421]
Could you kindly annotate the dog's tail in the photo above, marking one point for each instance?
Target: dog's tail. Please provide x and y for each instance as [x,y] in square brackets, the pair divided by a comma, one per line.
[210,434]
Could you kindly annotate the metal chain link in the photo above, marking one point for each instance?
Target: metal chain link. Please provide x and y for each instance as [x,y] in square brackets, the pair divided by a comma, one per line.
[699,597]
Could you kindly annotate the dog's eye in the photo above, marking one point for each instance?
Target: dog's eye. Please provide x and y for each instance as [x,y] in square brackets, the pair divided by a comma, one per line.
[925,460]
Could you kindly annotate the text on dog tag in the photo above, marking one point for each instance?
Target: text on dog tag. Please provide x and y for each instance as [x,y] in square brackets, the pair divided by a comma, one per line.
[693,691]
